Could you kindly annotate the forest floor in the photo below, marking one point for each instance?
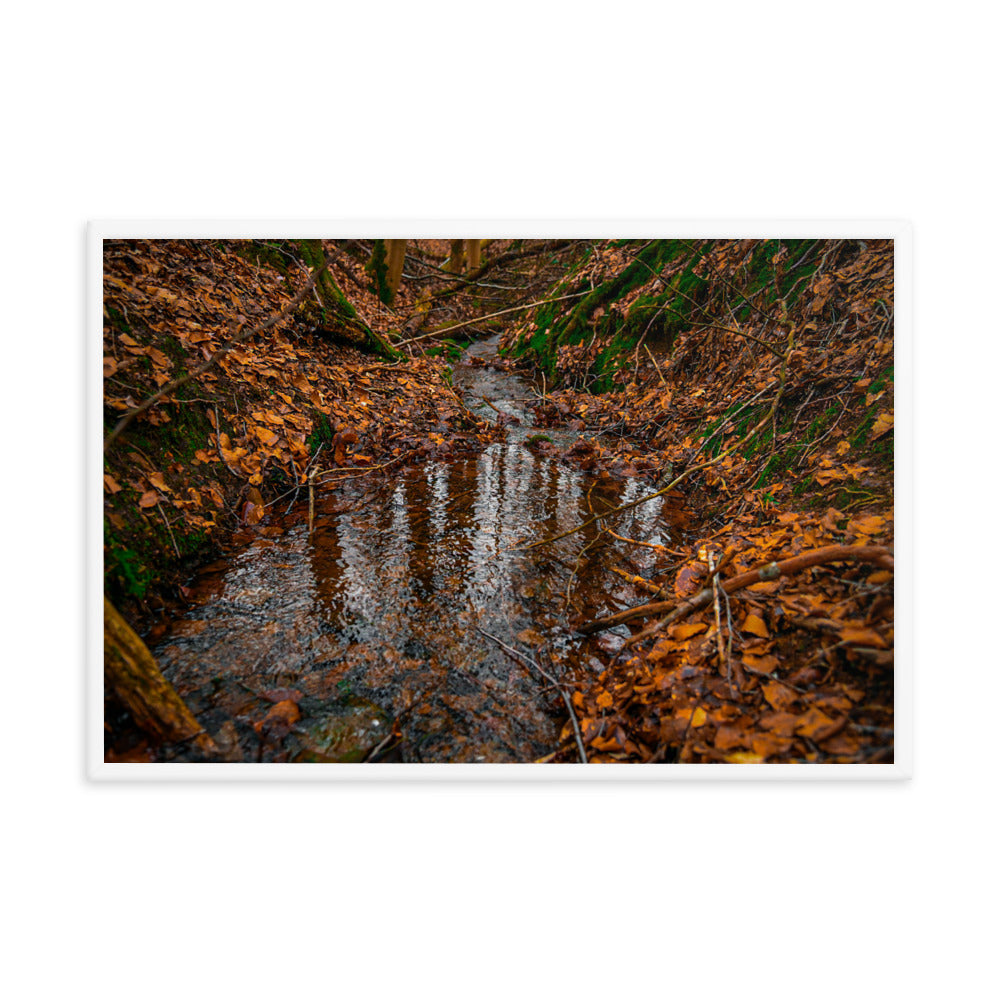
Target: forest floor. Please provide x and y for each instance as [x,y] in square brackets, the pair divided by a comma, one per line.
[780,451]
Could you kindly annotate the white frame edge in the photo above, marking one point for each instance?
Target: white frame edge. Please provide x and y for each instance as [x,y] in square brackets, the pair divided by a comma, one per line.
[899,231]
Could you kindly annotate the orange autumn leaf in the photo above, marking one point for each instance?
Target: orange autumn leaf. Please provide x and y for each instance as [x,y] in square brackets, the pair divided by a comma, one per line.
[111,484]
[779,696]
[149,499]
[770,744]
[697,718]
[689,581]
[279,720]
[158,357]
[863,637]
[252,514]
[827,476]
[780,723]
[730,737]
[870,525]
[755,626]
[818,726]
[686,629]
[883,424]
[763,664]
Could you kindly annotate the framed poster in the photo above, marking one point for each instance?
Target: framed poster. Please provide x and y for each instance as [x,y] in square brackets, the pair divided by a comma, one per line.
[374,501]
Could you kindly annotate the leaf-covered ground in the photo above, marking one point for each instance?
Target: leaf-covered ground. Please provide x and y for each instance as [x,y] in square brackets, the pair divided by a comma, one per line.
[755,378]
[244,435]
[795,669]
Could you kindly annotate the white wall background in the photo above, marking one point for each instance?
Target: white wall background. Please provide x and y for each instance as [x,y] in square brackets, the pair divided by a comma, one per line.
[706,110]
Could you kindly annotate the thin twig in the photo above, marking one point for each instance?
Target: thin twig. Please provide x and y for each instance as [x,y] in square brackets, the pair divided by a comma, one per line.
[169,529]
[723,659]
[520,657]
[655,365]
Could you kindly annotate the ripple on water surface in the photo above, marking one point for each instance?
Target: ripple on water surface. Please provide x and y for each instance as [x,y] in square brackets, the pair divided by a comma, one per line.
[376,618]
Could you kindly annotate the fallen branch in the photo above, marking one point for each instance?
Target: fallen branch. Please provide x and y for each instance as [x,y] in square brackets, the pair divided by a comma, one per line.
[441,331]
[638,581]
[131,673]
[876,554]
[504,258]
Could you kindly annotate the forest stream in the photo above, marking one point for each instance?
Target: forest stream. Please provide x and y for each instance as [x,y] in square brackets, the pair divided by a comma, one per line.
[413,625]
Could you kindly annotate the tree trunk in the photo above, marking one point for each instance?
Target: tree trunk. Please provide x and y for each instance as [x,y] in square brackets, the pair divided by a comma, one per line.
[533,250]
[336,303]
[456,262]
[472,248]
[131,674]
[397,255]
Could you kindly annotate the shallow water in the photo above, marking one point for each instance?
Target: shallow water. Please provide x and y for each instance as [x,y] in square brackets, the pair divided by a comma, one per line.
[377,620]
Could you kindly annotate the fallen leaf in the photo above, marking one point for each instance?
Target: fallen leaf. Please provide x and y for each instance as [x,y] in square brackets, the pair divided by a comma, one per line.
[688,580]
[279,721]
[755,626]
[778,696]
[781,723]
[729,737]
[818,726]
[156,479]
[686,629]
[871,525]
[770,744]
[863,637]
[883,424]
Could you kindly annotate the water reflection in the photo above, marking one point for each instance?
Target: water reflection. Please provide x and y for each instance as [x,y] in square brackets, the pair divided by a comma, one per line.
[386,600]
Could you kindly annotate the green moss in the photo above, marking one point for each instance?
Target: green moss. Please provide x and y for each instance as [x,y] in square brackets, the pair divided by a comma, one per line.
[758,276]
[378,270]
[322,432]
[187,430]
[117,320]
[126,573]
[449,348]
[267,253]
[658,316]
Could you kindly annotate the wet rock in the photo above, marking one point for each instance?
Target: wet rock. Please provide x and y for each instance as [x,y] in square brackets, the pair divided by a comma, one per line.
[352,729]
[227,739]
